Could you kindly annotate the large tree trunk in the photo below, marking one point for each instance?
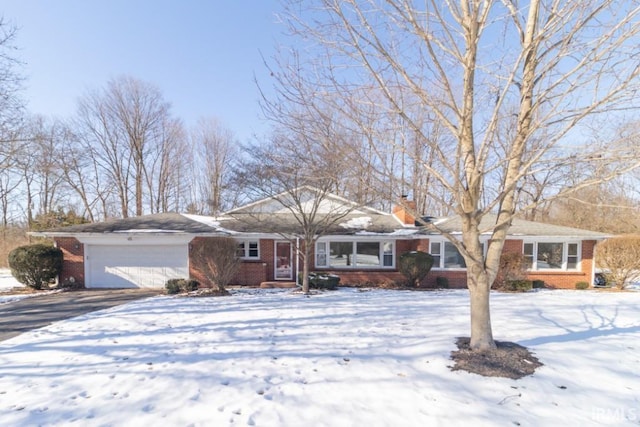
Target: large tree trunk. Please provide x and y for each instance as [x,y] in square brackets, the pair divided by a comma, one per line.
[139,188]
[481,333]
[305,267]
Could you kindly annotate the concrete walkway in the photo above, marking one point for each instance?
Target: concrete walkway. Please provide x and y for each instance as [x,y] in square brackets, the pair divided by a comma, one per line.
[35,312]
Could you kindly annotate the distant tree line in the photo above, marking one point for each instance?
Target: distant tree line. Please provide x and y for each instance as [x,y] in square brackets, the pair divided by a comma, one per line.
[125,153]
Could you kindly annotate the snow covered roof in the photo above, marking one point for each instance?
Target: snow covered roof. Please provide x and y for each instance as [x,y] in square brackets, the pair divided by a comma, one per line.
[155,223]
[287,223]
[361,221]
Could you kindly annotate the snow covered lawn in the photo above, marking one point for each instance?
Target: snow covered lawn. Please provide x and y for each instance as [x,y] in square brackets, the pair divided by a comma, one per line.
[343,358]
[7,283]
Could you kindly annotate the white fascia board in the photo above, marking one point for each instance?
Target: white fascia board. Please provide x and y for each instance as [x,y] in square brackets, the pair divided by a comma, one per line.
[134,238]
[257,236]
[555,238]
[364,237]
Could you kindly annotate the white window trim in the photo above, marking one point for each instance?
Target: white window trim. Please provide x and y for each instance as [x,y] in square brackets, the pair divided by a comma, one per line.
[565,254]
[441,242]
[246,243]
[327,242]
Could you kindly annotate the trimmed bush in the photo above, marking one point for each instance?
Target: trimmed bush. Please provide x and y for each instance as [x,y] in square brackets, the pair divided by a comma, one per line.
[442,282]
[321,281]
[172,286]
[519,285]
[190,285]
[582,285]
[35,265]
[175,286]
[415,266]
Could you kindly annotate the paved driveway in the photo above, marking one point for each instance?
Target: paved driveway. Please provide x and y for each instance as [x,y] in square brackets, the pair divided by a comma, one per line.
[35,312]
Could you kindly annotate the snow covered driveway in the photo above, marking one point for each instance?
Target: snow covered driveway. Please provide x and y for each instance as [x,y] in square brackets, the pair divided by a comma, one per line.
[344,358]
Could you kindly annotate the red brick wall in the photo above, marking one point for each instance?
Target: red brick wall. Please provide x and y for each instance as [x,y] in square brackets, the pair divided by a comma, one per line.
[73,256]
[403,246]
[252,273]
[367,277]
[267,257]
[512,246]
[455,279]
[422,245]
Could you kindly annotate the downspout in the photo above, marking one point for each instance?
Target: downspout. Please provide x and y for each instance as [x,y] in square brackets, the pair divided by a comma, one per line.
[297,260]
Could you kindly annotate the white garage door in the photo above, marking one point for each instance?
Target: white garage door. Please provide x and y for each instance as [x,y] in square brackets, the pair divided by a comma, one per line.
[135,266]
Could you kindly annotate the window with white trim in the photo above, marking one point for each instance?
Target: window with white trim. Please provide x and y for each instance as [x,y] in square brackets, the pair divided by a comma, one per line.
[321,253]
[355,254]
[550,255]
[248,249]
[446,255]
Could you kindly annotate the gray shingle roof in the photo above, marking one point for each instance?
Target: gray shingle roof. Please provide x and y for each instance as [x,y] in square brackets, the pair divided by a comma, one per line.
[162,223]
[521,227]
[283,223]
[370,222]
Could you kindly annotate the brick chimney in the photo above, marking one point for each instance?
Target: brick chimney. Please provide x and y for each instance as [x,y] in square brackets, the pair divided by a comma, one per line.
[405,211]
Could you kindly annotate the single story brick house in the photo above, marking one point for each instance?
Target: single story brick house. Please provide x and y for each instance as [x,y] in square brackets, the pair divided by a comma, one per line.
[362,247]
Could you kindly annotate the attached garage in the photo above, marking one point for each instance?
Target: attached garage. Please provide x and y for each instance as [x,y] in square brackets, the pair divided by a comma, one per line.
[135,266]
[135,252]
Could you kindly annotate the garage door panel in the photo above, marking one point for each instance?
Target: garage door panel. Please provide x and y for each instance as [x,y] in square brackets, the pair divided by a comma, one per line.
[136,266]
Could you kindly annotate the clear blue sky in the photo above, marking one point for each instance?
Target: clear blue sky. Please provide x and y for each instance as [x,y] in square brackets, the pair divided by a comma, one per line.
[202,54]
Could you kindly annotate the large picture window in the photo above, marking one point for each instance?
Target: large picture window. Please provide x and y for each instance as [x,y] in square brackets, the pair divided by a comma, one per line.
[552,255]
[539,256]
[355,254]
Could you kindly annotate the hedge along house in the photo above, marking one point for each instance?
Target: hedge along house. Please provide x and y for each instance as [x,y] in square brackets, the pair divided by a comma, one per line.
[362,246]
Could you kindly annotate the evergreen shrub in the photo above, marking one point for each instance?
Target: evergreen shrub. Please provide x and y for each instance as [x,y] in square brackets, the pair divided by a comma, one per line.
[35,265]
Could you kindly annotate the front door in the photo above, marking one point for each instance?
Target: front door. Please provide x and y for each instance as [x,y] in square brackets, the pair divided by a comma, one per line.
[283,261]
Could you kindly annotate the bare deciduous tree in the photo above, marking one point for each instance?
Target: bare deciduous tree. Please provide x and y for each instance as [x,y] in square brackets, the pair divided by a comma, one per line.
[40,165]
[11,104]
[79,171]
[215,154]
[541,69]
[11,112]
[296,171]
[166,164]
[619,258]
[122,125]
[610,206]
[217,259]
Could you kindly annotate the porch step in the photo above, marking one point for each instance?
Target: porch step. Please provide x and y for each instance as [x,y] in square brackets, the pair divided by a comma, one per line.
[278,284]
